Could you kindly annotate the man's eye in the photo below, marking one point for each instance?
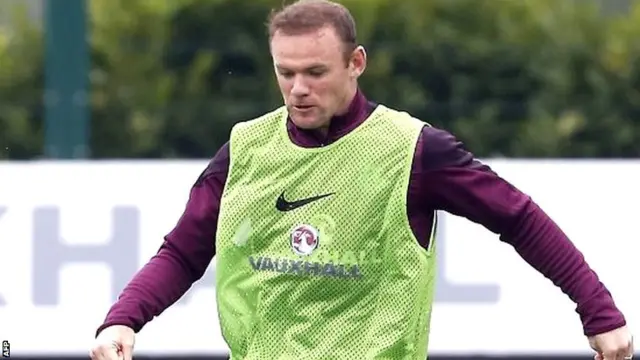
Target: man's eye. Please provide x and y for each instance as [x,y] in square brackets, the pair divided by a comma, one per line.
[287,75]
[316,73]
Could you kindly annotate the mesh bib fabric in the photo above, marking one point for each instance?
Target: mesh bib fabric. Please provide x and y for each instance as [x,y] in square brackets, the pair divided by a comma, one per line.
[315,256]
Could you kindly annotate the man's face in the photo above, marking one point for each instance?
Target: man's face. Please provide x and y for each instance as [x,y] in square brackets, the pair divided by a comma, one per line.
[315,79]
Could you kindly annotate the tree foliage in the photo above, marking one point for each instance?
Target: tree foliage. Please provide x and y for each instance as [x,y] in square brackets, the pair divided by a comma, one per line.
[530,78]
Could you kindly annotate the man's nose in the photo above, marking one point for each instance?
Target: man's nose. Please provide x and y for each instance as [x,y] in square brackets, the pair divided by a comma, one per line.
[299,87]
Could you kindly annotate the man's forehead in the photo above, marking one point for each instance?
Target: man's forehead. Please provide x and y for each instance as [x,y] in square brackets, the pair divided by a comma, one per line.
[319,46]
[325,33]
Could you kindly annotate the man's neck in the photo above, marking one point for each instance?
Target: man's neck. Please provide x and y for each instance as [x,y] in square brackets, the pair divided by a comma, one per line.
[356,112]
[343,110]
[348,100]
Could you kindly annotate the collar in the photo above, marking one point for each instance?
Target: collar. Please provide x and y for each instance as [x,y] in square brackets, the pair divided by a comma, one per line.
[340,125]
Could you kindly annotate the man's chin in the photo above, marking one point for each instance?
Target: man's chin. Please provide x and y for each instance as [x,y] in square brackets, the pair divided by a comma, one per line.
[307,122]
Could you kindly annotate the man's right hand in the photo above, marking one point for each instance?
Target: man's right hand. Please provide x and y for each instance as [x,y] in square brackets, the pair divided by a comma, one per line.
[114,343]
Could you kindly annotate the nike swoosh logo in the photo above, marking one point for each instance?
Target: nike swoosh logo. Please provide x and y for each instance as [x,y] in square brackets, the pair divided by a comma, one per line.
[283,205]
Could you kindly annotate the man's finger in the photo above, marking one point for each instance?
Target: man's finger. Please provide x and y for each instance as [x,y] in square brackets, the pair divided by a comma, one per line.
[107,353]
[610,355]
[616,354]
[127,352]
[627,352]
[624,354]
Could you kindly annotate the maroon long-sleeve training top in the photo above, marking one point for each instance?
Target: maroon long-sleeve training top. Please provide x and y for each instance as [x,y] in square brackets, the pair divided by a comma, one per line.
[445,177]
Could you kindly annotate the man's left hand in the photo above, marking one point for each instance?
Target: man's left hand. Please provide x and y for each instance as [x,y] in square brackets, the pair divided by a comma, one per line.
[613,345]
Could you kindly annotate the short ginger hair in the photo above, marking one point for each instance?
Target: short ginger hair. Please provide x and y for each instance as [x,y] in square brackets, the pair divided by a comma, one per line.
[305,16]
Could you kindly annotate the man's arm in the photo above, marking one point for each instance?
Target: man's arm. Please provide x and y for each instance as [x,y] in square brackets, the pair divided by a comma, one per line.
[183,257]
[451,179]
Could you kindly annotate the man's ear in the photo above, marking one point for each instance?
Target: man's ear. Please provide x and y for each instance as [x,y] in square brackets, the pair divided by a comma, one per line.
[358,61]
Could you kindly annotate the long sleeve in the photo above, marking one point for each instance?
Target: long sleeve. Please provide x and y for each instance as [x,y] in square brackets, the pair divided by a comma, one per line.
[450,179]
[183,257]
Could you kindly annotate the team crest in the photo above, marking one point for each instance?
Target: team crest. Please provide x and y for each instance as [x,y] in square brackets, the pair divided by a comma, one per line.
[304,239]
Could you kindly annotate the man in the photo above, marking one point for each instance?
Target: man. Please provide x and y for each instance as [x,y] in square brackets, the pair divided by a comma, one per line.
[323,214]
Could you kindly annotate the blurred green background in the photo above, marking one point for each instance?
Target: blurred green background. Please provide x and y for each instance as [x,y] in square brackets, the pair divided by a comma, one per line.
[168,78]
